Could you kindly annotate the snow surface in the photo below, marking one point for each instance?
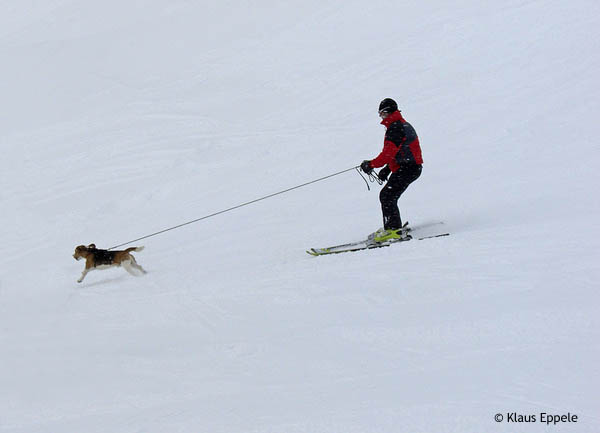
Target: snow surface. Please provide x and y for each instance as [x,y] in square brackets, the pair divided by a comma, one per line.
[120,119]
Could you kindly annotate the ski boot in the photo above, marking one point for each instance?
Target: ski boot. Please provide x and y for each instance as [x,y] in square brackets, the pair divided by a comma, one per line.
[384,235]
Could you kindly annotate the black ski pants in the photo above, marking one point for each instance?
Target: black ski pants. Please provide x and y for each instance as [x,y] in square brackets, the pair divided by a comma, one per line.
[391,192]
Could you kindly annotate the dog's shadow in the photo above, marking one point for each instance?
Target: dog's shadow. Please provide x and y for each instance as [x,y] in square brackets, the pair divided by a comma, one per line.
[103,282]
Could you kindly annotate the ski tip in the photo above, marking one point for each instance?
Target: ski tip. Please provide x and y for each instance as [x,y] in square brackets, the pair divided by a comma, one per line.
[434,236]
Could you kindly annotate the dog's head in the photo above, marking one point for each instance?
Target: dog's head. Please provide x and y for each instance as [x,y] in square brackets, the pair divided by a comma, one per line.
[81,251]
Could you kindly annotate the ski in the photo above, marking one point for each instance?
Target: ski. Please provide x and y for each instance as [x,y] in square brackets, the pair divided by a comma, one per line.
[364,245]
[365,241]
[355,246]
[370,244]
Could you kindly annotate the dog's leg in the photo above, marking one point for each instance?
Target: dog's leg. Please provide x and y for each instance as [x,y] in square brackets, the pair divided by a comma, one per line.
[137,266]
[83,274]
[127,265]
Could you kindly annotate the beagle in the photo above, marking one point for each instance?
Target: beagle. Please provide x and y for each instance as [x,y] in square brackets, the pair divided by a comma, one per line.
[103,259]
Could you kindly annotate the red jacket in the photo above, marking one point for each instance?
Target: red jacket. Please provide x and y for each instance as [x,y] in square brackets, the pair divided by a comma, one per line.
[401,144]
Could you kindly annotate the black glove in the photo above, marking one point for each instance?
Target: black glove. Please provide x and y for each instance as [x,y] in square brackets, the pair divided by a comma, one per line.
[384,173]
[366,166]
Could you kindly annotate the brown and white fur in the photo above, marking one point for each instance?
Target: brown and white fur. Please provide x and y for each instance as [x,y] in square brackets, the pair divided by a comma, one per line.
[103,259]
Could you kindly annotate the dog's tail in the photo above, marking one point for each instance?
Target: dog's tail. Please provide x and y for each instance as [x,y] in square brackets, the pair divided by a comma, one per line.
[137,249]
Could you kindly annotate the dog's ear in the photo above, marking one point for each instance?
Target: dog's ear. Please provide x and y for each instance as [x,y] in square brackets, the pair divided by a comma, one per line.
[92,246]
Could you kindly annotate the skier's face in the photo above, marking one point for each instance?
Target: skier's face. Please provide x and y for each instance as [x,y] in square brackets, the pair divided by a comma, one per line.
[383,114]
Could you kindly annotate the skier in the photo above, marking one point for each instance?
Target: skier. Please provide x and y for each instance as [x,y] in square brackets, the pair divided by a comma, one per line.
[401,156]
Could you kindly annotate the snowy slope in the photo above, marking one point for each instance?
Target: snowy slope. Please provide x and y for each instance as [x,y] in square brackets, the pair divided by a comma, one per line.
[121,119]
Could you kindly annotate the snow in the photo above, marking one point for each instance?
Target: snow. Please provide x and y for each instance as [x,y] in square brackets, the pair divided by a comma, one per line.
[121,119]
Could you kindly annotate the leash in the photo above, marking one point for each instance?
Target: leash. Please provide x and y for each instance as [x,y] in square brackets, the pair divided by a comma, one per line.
[371,177]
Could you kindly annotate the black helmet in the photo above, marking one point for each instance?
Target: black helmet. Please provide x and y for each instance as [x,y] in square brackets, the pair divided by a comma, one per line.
[388,105]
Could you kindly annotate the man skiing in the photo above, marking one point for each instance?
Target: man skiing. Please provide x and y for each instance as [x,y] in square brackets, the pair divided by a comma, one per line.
[401,156]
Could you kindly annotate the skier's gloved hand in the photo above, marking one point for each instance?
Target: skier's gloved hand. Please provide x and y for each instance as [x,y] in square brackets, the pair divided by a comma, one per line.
[384,173]
[366,166]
